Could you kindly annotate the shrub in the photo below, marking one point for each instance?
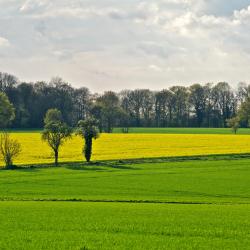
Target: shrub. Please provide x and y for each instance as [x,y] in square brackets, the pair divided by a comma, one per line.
[9,149]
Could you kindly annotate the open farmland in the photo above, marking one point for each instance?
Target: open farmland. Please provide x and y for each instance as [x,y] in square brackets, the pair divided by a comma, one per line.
[159,198]
[133,146]
[219,131]
[85,226]
[200,181]
[168,205]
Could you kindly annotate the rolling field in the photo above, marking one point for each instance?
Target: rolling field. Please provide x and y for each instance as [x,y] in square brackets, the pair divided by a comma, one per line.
[168,205]
[188,181]
[133,146]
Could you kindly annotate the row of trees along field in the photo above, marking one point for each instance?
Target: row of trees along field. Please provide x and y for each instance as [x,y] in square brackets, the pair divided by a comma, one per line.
[208,105]
[55,132]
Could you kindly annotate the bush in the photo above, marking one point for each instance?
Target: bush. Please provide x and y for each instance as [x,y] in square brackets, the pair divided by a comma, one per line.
[9,149]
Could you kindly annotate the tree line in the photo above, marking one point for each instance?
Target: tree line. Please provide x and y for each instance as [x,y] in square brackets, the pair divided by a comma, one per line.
[100,113]
[209,105]
[55,133]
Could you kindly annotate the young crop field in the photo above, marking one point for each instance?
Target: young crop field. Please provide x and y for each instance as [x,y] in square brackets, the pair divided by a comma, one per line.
[85,226]
[216,181]
[169,205]
[128,199]
[132,146]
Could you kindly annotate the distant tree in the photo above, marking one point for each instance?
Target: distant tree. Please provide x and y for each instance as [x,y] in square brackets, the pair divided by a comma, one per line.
[197,99]
[7,111]
[82,104]
[55,131]
[139,104]
[180,106]
[7,82]
[98,113]
[124,121]
[88,130]
[9,149]
[234,123]
[107,110]
[224,102]
[244,112]
[243,92]
[62,95]
[25,106]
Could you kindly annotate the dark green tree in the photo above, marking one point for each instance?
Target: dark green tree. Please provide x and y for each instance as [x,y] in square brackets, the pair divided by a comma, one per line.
[7,111]
[88,130]
[244,112]
[107,110]
[197,99]
[55,131]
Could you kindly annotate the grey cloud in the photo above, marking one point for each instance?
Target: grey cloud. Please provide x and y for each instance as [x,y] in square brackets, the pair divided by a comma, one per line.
[4,42]
[134,42]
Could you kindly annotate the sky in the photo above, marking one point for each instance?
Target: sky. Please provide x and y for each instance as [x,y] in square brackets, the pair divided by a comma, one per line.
[126,44]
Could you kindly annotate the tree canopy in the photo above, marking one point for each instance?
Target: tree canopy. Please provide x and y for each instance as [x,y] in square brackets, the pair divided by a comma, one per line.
[55,131]
[88,130]
[198,105]
[7,111]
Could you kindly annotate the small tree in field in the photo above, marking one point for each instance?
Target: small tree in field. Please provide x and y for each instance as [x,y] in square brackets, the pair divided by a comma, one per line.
[244,112]
[9,149]
[7,111]
[55,131]
[89,131]
[234,123]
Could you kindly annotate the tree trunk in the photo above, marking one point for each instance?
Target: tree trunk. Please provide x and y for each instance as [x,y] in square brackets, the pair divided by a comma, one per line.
[88,148]
[56,157]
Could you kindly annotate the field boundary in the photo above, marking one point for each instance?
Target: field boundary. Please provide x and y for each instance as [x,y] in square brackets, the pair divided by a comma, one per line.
[126,201]
[122,162]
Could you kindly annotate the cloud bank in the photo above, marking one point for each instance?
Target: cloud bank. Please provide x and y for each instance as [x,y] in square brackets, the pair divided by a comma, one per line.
[126,44]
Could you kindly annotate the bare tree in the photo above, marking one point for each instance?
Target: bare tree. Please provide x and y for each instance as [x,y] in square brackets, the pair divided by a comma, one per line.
[234,123]
[9,149]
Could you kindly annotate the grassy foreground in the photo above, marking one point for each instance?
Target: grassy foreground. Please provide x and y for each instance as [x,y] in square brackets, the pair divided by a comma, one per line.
[61,225]
[133,206]
[132,146]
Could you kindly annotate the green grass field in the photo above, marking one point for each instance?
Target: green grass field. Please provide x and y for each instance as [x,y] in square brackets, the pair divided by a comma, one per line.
[188,181]
[62,225]
[188,204]
[242,131]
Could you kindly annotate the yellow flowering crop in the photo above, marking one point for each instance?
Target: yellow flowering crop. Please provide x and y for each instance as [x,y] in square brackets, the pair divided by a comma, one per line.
[130,146]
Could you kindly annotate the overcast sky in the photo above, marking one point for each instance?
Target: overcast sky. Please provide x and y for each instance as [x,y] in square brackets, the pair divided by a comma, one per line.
[121,44]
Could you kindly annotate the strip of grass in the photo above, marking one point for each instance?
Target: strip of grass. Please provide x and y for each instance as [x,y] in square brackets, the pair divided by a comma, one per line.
[60,225]
[226,131]
[221,181]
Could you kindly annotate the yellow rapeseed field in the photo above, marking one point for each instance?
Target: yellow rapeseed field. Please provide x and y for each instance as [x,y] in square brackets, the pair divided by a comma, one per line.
[130,146]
